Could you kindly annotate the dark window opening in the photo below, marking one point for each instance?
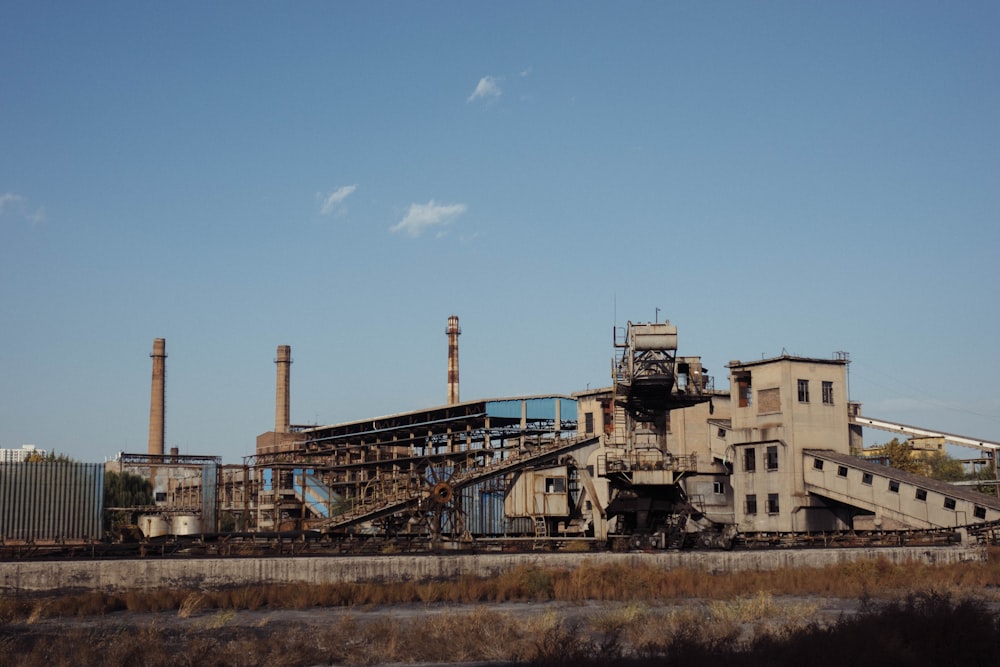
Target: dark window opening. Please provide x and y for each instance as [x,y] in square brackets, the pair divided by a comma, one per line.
[772,457]
[866,478]
[949,503]
[921,494]
[555,485]
[842,471]
[894,486]
[744,389]
[161,497]
[750,459]
[752,504]
[772,503]
[588,421]
[979,512]
[827,393]
[803,391]
[818,464]
[718,488]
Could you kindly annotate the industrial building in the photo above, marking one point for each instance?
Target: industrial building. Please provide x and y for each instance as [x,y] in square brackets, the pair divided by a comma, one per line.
[658,459]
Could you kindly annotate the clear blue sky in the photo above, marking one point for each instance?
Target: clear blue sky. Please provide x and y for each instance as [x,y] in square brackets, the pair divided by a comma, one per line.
[342,176]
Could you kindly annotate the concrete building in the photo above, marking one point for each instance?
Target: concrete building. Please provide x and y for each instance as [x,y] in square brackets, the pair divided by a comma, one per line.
[19,455]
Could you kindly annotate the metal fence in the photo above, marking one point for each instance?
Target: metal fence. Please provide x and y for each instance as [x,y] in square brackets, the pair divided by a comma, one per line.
[51,502]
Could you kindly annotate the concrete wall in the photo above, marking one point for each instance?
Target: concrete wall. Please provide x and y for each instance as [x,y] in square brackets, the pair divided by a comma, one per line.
[37,577]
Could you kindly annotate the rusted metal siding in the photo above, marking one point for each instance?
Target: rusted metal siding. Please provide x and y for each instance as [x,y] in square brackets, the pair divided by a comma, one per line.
[51,502]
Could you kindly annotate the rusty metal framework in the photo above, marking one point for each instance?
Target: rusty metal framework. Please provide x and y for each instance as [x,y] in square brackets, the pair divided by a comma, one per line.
[435,472]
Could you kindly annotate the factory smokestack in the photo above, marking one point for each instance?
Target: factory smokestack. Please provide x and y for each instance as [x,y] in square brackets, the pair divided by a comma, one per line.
[282,421]
[453,333]
[157,399]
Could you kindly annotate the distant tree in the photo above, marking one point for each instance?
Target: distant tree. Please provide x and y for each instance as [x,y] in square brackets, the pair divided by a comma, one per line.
[942,467]
[51,457]
[124,490]
[899,455]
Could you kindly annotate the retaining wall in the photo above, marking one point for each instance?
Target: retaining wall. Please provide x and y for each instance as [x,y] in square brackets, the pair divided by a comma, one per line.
[208,573]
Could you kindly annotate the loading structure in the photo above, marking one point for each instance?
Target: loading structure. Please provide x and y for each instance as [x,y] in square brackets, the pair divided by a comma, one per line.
[442,473]
[646,478]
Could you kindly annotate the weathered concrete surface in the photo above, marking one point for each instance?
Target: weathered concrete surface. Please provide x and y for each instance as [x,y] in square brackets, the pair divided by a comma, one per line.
[206,573]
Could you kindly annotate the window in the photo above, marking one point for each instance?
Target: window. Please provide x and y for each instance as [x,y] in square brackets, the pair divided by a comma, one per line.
[949,503]
[588,421]
[979,512]
[803,391]
[555,485]
[718,488]
[842,471]
[866,478]
[772,503]
[818,464]
[772,457]
[721,433]
[750,459]
[752,504]
[921,494]
[161,497]
[894,486]
[827,393]
[744,389]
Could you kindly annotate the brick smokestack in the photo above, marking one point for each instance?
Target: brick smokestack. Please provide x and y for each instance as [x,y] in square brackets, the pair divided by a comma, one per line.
[282,402]
[157,399]
[453,332]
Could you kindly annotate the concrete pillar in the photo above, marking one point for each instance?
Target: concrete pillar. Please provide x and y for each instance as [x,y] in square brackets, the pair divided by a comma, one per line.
[157,399]
[282,401]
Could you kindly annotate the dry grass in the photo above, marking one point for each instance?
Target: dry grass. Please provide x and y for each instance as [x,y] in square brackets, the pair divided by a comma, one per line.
[652,614]
[621,583]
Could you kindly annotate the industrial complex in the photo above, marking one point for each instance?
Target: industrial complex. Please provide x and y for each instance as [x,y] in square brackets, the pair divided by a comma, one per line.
[659,459]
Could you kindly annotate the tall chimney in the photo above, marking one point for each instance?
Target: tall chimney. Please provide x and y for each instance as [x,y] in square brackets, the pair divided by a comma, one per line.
[453,333]
[282,403]
[157,399]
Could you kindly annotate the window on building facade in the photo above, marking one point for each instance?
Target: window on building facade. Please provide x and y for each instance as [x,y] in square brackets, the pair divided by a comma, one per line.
[555,485]
[827,393]
[772,503]
[750,459]
[866,478]
[588,422]
[979,512]
[818,464]
[718,488]
[752,504]
[842,471]
[744,389]
[803,391]
[894,486]
[921,494]
[772,457]
[949,503]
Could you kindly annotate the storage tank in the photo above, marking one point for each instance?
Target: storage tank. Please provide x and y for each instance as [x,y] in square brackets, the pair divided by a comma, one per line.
[185,524]
[153,525]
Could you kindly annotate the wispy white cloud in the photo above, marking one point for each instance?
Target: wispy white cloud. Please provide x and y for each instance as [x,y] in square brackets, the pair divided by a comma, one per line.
[488,87]
[335,198]
[15,206]
[423,216]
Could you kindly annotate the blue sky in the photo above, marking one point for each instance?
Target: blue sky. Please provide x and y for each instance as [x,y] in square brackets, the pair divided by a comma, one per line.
[343,176]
